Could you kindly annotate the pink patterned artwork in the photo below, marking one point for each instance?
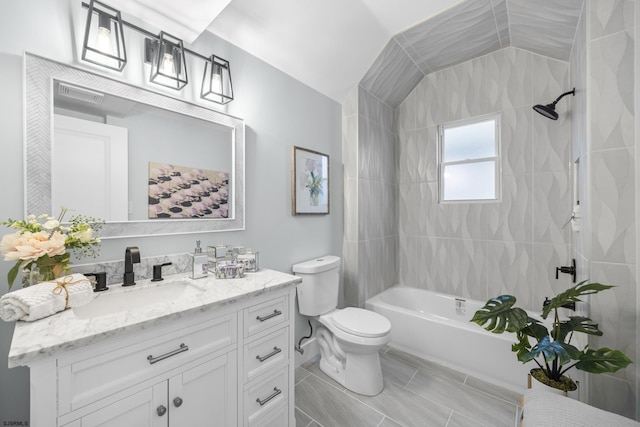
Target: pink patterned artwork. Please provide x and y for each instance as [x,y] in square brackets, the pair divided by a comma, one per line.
[184,192]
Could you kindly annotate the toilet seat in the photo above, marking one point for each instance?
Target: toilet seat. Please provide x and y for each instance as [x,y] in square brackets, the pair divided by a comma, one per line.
[360,322]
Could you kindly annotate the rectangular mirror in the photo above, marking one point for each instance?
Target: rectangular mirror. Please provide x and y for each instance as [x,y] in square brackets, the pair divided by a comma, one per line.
[147,163]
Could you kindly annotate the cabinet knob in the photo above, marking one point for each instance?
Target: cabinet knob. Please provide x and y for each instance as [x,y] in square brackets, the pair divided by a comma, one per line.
[161,410]
[177,402]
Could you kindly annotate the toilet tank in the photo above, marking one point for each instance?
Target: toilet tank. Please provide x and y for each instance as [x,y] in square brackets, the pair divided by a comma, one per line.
[318,292]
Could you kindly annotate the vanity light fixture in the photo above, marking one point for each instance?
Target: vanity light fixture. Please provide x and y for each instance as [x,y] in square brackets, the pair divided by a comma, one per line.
[164,52]
[168,66]
[216,81]
[103,37]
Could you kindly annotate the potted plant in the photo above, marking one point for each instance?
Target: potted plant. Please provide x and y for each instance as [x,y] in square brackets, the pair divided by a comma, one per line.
[553,351]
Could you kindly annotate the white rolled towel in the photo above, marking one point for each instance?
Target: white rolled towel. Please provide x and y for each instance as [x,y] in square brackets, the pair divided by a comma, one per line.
[46,298]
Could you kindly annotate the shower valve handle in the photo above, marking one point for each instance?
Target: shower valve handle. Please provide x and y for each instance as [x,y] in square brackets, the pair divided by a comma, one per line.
[568,269]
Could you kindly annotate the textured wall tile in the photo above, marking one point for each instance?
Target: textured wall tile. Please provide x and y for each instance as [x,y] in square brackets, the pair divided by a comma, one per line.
[551,207]
[551,142]
[548,30]
[431,98]
[512,218]
[467,268]
[375,109]
[615,311]
[546,258]
[460,33]
[408,260]
[501,15]
[467,220]
[350,146]
[351,210]
[581,236]
[613,206]
[406,114]
[613,395]
[509,76]
[433,263]
[407,209]
[350,103]
[408,157]
[350,273]
[427,154]
[366,146]
[510,270]
[370,209]
[468,89]
[612,87]
[393,75]
[516,140]
[433,219]
[550,80]
[610,16]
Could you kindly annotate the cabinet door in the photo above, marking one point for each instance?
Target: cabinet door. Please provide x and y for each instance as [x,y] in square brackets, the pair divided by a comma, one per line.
[136,410]
[206,395]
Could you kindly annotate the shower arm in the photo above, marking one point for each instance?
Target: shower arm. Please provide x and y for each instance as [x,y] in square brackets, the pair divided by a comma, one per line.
[571,92]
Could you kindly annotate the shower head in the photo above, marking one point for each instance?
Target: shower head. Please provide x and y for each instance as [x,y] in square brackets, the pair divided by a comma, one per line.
[549,110]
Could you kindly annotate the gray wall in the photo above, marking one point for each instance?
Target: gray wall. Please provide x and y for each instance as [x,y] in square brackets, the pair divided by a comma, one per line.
[279,112]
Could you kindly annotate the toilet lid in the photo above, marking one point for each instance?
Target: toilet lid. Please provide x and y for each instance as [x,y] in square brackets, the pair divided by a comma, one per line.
[363,323]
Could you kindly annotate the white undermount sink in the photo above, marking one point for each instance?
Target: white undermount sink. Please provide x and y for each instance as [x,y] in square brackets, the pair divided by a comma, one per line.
[118,299]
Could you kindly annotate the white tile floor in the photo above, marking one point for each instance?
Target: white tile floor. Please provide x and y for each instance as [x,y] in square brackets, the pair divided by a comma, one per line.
[417,393]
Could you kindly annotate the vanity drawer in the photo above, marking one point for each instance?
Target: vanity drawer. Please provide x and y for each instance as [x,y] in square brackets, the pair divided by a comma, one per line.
[275,417]
[84,378]
[265,395]
[263,316]
[266,353]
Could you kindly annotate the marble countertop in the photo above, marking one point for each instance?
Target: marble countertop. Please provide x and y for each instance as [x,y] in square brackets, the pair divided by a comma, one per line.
[34,341]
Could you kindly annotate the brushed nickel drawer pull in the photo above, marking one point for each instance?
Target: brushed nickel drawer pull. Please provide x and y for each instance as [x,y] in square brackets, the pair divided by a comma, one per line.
[179,350]
[276,391]
[274,314]
[275,351]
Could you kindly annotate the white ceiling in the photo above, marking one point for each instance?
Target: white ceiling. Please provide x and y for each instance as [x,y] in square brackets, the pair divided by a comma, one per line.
[334,45]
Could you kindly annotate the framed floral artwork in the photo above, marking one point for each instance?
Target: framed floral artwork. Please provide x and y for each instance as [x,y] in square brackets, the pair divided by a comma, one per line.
[309,182]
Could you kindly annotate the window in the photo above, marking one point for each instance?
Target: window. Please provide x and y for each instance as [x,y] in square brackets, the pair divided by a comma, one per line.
[469,159]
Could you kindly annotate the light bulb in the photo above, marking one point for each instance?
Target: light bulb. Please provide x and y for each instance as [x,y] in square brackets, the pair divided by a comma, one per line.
[103,40]
[167,65]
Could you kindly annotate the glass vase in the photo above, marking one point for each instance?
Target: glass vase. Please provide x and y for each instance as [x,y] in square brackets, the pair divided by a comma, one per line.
[31,276]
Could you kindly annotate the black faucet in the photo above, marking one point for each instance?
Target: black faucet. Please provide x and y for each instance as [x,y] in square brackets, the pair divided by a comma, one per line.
[131,256]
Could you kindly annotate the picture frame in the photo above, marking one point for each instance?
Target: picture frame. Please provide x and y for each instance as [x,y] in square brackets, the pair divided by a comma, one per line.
[309,182]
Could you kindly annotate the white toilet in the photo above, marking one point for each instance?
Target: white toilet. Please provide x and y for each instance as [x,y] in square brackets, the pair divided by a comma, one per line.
[350,338]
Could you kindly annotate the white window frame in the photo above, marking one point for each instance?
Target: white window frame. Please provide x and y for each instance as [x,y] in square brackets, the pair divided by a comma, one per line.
[497,158]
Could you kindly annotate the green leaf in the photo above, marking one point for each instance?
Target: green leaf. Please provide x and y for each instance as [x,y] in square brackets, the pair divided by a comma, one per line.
[501,316]
[577,324]
[602,360]
[13,273]
[573,294]
[552,350]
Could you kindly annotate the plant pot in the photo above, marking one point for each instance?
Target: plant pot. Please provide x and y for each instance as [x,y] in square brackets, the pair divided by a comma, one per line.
[538,379]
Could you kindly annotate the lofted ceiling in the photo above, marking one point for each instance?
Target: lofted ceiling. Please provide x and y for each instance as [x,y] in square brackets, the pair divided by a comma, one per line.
[334,45]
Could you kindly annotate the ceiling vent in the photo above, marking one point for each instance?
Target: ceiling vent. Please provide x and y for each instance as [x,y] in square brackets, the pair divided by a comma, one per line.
[81,94]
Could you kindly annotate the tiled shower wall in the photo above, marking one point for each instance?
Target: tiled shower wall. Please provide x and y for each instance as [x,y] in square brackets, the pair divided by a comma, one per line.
[480,250]
[604,145]
[370,222]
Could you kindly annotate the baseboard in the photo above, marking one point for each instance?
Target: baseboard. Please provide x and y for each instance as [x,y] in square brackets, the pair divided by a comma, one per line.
[311,351]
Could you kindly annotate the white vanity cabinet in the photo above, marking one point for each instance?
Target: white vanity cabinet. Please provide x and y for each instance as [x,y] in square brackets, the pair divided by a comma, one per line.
[229,366]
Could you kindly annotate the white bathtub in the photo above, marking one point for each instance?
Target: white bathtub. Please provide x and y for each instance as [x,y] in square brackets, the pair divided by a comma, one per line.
[437,327]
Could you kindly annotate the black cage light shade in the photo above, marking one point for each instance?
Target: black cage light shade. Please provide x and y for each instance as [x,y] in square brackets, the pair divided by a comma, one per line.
[103,37]
[216,81]
[168,65]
